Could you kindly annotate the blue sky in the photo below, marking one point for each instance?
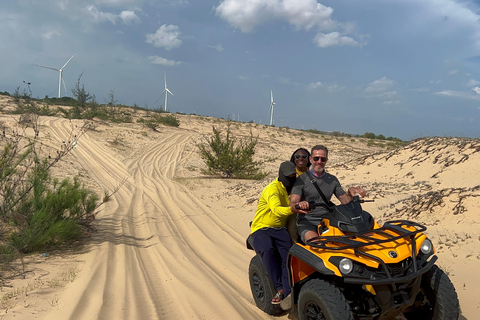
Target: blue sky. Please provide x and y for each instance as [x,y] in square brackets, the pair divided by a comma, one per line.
[403,68]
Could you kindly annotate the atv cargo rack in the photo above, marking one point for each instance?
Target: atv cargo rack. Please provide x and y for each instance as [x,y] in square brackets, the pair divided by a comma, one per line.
[352,241]
[366,238]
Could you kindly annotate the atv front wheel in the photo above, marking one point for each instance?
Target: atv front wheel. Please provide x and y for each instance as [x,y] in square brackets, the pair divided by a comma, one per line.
[437,299]
[319,300]
[261,289]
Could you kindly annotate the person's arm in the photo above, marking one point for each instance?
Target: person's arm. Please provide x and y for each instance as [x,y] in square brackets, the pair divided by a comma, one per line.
[352,191]
[275,205]
[294,201]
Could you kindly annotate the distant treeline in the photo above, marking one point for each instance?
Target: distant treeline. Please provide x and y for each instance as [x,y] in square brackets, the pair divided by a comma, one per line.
[368,135]
[68,101]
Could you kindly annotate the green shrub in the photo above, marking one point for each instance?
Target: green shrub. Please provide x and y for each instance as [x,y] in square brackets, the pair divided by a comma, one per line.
[156,119]
[52,213]
[229,157]
[39,211]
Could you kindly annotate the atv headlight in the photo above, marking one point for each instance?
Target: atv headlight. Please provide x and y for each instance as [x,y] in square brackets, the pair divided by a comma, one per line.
[346,265]
[426,247]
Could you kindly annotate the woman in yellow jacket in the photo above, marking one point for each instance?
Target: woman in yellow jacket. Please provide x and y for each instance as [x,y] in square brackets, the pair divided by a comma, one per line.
[270,236]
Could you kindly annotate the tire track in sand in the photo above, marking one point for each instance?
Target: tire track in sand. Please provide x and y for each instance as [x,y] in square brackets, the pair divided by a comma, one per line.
[159,252]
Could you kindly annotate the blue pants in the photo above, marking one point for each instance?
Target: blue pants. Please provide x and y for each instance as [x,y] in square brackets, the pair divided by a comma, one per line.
[273,245]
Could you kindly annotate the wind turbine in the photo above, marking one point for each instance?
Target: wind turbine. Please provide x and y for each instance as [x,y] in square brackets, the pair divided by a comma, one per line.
[271,107]
[165,91]
[60,77]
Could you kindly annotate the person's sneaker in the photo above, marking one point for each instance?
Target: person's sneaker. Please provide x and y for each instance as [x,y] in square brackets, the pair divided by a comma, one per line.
[286,303]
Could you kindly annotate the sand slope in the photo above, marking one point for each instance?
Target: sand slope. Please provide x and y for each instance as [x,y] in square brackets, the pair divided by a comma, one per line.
[171,243]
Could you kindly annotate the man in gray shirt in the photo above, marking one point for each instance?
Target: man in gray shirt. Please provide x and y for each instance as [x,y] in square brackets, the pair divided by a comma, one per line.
[304,190]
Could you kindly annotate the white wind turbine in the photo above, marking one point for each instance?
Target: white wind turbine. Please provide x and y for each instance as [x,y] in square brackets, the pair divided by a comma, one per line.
[165,91]
[60,77]
[271,107]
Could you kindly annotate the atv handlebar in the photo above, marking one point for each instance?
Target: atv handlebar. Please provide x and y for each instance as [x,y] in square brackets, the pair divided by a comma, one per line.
[312,204]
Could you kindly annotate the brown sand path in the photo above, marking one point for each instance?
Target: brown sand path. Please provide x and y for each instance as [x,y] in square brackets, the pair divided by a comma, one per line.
[159,252]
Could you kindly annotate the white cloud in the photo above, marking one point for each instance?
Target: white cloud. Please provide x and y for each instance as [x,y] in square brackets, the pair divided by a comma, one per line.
[126,16]
[334,87]
[165,37]
[381,85]
[242,14]
[178,2]
[382,89]
[303,14]
[324,40]
[100,16]
[476,90]
[473,82]
[388,94]
[217,47]
[116,3]
[314,85]
[247,14]
[389,102]
[48,35]
[458,94]
[129,16]
[452,72]
[163,61]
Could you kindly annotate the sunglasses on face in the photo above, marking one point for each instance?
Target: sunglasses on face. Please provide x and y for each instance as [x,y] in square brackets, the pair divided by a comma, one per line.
[324,159]
[298,156]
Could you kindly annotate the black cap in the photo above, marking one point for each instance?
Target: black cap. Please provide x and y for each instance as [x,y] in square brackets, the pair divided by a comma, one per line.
[287,168]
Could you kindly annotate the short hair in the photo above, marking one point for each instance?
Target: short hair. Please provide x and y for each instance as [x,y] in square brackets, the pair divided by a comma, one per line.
[319,147]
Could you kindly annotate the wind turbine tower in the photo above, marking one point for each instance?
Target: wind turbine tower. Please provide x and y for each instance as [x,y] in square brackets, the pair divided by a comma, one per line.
[271,107]
[165,91]
[60,77]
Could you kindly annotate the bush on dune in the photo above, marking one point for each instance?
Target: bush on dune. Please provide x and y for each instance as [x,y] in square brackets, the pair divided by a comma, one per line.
[36,210]
[53,214]
[155,120]
[230,157]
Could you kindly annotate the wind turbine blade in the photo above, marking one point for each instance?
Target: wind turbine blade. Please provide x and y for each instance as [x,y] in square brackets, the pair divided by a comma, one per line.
[67,61]
[169,91]
[161,94]
[47,67]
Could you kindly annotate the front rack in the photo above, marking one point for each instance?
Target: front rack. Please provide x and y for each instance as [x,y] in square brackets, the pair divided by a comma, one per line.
[352,241]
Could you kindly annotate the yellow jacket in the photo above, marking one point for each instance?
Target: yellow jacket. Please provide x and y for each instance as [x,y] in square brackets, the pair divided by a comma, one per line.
[273,207]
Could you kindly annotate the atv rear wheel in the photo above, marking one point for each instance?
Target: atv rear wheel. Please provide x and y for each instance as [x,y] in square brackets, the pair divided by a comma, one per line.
[261,288]
[319,300]
[437,299]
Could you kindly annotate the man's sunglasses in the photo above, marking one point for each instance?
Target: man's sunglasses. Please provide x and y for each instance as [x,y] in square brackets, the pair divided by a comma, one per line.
[324,159]
[304,156]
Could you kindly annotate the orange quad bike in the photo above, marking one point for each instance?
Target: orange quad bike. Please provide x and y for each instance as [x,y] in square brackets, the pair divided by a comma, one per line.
[358,269]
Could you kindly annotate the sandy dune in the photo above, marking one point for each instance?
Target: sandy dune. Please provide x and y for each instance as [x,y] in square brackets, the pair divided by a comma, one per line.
[170,244]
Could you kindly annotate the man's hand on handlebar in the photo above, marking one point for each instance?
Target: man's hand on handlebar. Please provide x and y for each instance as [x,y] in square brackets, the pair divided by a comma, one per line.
[302,207]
